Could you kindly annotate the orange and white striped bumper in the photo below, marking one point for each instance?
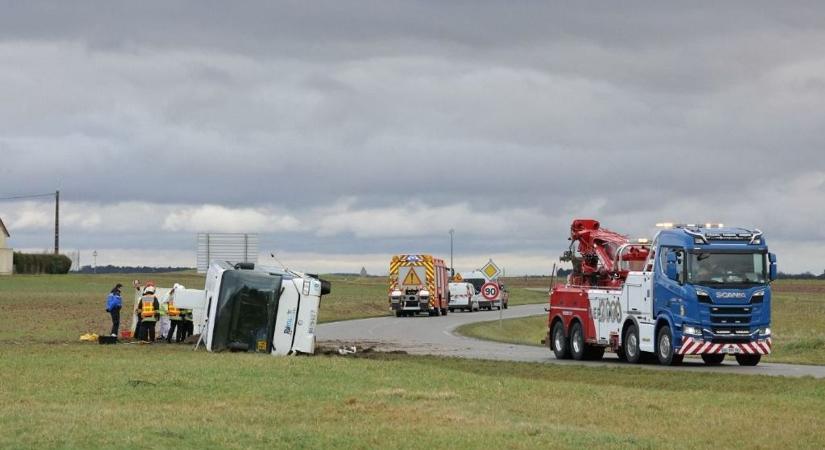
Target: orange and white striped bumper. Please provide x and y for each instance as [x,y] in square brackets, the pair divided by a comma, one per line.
[691,346]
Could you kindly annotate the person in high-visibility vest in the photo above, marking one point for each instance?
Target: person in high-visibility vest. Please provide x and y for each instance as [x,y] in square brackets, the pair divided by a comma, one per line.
[175,317]
[148,310]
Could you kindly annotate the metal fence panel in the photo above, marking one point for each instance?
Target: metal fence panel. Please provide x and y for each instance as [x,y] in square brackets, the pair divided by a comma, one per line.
[232,247]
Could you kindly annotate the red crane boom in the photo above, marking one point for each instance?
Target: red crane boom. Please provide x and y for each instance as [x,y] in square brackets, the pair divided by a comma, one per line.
[600,257]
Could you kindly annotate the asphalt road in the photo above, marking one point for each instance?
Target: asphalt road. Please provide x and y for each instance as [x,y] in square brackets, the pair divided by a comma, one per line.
[436,336]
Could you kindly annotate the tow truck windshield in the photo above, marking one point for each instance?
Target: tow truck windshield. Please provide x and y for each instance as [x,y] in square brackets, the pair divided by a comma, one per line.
[716,268]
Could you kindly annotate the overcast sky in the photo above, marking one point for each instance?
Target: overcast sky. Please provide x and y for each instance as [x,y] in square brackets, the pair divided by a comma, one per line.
[345,132]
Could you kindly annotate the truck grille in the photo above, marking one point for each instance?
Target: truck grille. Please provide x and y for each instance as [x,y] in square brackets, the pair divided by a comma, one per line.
[731,323]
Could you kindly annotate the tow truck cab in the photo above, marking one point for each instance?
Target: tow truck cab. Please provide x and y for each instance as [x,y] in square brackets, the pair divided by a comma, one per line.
[711,288]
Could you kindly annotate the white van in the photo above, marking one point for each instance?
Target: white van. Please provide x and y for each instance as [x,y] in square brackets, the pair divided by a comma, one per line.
[462,296]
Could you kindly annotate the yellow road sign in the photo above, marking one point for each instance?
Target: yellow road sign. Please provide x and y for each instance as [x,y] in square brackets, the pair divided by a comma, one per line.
[491,270]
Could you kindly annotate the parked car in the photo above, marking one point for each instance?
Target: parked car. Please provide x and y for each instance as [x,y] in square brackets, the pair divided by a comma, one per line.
[462,296]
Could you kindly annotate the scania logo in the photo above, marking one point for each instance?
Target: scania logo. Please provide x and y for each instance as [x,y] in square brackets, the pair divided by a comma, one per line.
[730,295]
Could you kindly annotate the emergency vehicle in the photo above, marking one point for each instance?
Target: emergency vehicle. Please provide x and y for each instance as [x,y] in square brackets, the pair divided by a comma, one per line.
[418,283]
[697,289]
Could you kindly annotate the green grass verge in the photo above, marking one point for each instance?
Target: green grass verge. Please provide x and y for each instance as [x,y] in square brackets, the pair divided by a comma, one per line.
[166,396]
[798,325]
[524,330]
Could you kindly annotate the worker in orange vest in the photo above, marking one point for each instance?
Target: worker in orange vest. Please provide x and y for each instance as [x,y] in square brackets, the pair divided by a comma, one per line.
[175,317]
[148,311]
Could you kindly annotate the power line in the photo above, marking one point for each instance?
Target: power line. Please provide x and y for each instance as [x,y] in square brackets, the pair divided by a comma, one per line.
[23,197]
[56,196]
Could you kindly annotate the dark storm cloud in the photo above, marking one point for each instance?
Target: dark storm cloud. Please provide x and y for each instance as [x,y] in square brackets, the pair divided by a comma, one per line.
[632,112]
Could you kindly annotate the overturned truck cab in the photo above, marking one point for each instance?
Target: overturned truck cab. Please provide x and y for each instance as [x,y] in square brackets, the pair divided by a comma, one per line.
[260,309]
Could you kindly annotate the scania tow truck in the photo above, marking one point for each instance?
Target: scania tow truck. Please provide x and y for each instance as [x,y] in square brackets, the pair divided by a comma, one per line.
[697,289]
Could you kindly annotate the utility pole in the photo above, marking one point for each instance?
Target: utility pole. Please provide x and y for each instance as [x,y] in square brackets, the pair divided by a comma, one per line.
[57,222]
[94,266]
[452,267]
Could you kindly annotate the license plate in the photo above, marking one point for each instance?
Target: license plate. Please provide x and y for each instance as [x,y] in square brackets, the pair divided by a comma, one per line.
[732,350]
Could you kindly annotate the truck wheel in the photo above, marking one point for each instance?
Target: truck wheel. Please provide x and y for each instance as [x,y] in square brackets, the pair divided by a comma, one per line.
[713,359]
[664,346]
[577,347]
[559,342]
[631,345]
[594,353]
[452,310]
[444,311]
[620,354]
[748,360]
[399,313]
[505,305]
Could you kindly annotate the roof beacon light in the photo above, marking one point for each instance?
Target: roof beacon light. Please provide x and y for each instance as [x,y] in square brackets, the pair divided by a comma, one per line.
[664,225]
[643,241]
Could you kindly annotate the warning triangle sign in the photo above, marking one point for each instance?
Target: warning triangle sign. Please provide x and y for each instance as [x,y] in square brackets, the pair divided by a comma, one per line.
[412,278]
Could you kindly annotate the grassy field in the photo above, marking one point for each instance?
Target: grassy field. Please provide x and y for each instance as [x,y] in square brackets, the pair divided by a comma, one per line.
[798,324]
[166,396]
[57,392]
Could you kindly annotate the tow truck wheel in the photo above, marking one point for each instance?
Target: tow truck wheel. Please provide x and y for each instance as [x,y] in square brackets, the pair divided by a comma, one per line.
[452,310]
[444,311]
[399,313]
[631,345]
[577,348]
[748,360]
[713,359]
[559,342]
[664,346]
[505,306]
[620,354]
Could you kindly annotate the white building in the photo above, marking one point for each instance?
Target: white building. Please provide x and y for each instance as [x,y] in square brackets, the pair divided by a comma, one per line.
[6,254]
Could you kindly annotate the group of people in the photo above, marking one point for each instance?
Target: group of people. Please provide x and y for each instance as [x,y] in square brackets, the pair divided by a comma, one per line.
[149,312]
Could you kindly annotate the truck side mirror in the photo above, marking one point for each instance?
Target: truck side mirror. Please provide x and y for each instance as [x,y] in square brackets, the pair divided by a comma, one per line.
[772,268]
[326,287]
[671,268]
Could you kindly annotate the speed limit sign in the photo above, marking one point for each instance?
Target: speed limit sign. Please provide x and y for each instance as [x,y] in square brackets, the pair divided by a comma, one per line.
[490,291]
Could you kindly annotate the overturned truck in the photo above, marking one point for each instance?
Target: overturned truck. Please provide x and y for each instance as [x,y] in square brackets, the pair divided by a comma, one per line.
[254,309]
[261,310]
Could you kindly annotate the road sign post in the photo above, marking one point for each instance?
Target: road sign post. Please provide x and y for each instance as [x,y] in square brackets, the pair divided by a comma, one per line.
[491,291]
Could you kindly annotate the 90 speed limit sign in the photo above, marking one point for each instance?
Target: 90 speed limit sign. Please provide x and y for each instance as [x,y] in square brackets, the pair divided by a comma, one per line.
[489,291]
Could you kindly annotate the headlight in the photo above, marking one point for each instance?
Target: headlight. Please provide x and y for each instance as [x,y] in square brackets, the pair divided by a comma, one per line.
[424,294]
[765,331]
[396,295]
[691,330]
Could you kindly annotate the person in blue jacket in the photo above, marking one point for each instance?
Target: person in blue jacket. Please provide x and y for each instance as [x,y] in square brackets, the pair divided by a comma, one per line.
[114,303]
